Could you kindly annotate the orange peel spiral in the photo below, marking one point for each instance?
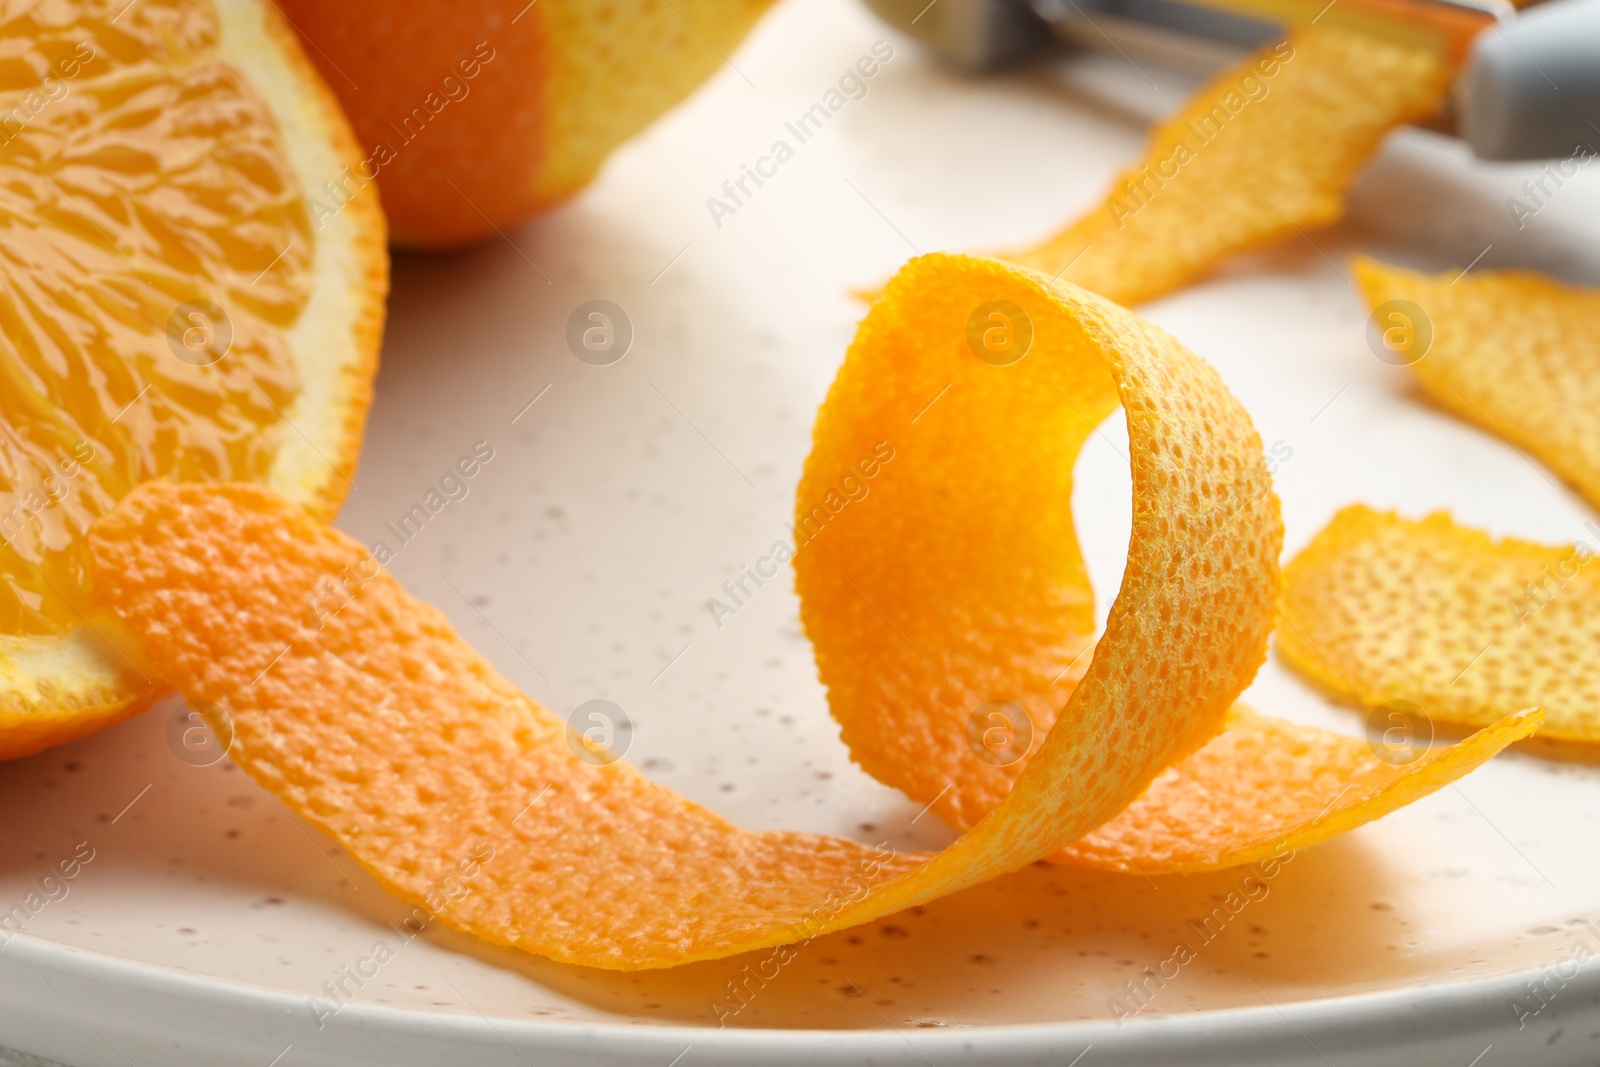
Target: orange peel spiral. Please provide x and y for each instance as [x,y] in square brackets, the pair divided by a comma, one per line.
[956,579]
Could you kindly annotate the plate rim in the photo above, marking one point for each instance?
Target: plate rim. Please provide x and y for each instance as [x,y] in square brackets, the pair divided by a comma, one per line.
[1380,1017]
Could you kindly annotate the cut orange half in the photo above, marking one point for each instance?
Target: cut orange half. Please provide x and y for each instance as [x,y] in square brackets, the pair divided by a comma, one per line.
[168,306]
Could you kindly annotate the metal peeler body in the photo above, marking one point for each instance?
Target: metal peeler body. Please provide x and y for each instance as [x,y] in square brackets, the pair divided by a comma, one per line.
[1529,88]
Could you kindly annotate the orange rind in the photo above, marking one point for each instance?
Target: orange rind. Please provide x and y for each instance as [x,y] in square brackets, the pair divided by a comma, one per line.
[950,604]
[475,114]
[1514,352]
[1266,150]
[1382,609]
[955,580]
[958,581]
[1266,786]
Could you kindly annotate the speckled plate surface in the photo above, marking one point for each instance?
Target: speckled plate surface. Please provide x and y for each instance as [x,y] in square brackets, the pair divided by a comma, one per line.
[208,922]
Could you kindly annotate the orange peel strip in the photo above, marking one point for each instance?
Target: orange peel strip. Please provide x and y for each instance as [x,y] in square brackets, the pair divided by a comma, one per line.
[1381,608]
[1265,787]
[954,586]
[1265,150]
[370,716]
[1515,352]
[958,581]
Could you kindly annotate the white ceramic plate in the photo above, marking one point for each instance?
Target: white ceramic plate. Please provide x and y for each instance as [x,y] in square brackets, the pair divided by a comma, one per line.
[582,555]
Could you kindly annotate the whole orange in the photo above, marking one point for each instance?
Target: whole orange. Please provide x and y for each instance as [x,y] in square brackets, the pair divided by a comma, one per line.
[475,114]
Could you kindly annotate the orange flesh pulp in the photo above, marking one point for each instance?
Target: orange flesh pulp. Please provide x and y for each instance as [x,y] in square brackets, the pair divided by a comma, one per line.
[138,173]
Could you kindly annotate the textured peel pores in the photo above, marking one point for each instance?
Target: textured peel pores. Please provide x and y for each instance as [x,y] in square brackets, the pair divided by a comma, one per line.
[957,581]
[1267,148]
[952,615]
[1460,624]
[379,724]
[1516,352]
[373,719]
[361,707]
[1265,785]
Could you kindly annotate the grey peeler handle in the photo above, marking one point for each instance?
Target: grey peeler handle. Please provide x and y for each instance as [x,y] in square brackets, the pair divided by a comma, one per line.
[1532,85]
[970,35]
[1530,90]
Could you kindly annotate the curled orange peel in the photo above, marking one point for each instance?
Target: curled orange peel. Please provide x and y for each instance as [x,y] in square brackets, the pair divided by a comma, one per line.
[1516,352]
[1265,786]
[1381,608]
[1264,151]
[954,578]
[949,607]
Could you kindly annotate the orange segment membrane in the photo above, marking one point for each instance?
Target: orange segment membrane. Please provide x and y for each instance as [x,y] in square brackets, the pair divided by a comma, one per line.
[138,173]
[1381,608]
[1515,352]
[367,713]
[1266,149]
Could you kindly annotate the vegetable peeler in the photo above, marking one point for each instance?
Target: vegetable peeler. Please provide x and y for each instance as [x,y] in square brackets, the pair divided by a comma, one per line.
[1529,86]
